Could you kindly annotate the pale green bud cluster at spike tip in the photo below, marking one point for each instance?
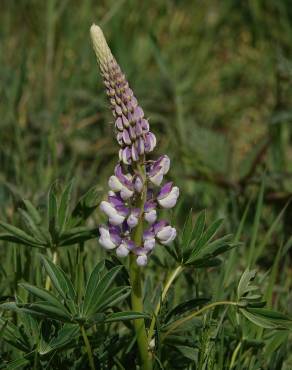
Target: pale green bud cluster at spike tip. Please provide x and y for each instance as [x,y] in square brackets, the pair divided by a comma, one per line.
[136,193]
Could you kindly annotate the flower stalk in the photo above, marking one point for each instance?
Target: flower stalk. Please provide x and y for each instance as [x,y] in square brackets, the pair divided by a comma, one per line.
[136,190]
[88,347]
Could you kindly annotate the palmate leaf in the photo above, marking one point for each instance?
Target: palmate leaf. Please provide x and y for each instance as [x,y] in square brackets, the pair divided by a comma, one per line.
[114,296]
[46,310]
[17,240]
[44,295]
[198,249]
[12,334]
[207,236]
[74,236]
[20,235]
[17,364]
[266,318]
[244,285]
[209,252]
[59,279]
[67,334]
[32,226]
[91,286]
[96,295]
[192,231]
[33,212]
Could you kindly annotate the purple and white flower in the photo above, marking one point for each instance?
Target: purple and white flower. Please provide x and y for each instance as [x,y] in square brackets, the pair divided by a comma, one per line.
[121,183]
[133,197]
[109,237]
[164,232]
[150,213]
[133,218]
[159,169]
[168,195]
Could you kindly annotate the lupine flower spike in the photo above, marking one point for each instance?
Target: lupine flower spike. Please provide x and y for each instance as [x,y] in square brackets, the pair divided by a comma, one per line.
[135,192]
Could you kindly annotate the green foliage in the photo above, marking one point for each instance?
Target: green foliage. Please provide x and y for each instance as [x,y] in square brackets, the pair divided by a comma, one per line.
[61,227]
[215,80]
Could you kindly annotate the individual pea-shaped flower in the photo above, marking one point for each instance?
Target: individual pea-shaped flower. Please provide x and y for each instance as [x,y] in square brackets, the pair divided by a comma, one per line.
[159,169]
[150,213]
[133,218]
[138,184]
[164,232]
[168,195]
[109,236]
[149,240]
[125,247]
[142,258]
[115,210]
[121,183]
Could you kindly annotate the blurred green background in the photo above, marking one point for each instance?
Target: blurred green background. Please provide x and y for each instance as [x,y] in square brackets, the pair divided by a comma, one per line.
[215,79]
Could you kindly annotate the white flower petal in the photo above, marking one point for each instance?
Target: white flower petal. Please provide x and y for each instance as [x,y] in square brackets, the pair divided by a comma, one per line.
[126,193]
[116,219]
[115,184]
[157,178]
[151,216]
[106,243]
[149,244]
[165,233]
[170,200]
[107,208]
[142,260]
[122,251]
[132,221]
[171,238]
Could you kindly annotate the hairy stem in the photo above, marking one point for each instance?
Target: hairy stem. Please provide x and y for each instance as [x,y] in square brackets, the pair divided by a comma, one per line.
[88,347]
[179,322]
[55,260]
[169,281]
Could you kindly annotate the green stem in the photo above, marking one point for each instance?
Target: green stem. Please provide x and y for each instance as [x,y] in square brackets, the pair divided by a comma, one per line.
[136,282]
[170,280]
[137,305]
[55,260]
[88,347]
[179,322]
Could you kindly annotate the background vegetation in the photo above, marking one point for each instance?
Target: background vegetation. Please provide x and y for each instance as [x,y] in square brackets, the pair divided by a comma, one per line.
[215,79]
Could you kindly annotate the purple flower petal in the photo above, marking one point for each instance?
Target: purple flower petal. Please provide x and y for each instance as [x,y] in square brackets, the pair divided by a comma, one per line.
[122,210]
[145,126]
[149,205]
[159,226]
[132,133]
[138,183]
[115,201]
[138,129]
[135,155]
[126,137]
[119,124]
[150,142]
[140,146]
[148,234]
[125,121]
[165,190]
[138,113]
